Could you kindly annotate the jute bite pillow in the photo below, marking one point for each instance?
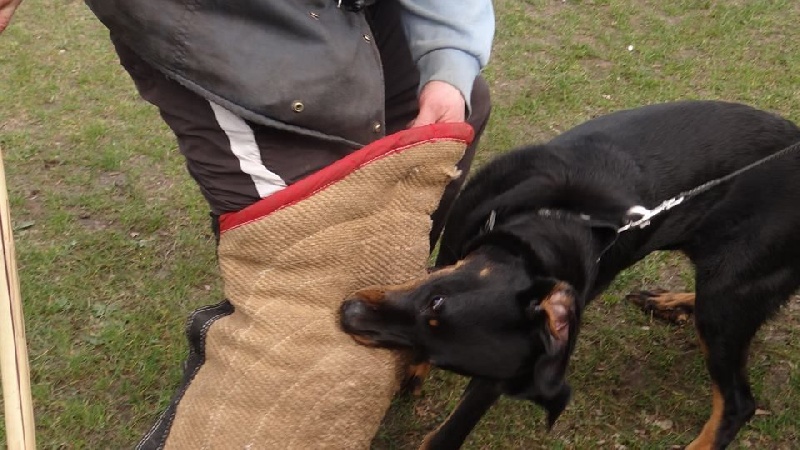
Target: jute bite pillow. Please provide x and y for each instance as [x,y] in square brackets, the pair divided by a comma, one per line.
[278,373]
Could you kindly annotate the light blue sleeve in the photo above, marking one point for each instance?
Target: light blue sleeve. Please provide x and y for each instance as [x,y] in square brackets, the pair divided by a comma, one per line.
[450,40]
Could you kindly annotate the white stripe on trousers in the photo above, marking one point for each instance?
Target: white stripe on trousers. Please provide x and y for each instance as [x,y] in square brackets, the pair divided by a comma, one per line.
[244,146]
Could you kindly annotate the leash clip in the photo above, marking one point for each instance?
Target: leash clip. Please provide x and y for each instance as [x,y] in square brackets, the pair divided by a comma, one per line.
[648,214]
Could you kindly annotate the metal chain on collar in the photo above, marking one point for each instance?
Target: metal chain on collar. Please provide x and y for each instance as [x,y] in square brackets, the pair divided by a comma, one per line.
[647,215]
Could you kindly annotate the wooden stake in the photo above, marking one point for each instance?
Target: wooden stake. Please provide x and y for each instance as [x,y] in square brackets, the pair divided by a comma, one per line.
[14,366]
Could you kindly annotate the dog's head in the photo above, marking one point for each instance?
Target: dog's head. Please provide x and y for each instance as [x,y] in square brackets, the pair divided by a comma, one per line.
[496,314]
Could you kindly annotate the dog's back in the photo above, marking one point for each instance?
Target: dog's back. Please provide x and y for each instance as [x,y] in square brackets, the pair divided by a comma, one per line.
[684,144]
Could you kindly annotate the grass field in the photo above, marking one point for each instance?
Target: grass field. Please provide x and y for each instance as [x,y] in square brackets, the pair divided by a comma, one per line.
[114,248]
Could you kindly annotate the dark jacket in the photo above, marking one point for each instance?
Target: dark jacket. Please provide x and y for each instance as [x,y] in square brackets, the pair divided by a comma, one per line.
[317,80]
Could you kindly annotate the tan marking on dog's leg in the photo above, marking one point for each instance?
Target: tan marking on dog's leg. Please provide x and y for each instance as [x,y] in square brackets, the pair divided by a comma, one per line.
[415,377]
[485,272]
[705,440]
[426,443]
[671,300]
[669,306]
[478,397]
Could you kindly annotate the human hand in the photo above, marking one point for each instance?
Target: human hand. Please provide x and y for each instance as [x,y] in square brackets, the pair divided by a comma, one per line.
[7,8]
[439,102]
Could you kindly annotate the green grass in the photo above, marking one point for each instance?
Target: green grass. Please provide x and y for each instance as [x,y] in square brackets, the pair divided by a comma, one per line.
[114,249]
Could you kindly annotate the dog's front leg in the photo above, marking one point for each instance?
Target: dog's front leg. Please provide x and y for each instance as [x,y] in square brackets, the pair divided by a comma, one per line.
[477,398]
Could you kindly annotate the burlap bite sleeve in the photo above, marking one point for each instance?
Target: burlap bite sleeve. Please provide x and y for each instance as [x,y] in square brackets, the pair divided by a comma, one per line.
[272,369]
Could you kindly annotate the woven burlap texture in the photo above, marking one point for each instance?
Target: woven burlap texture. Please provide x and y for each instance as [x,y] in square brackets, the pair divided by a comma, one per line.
[279,373]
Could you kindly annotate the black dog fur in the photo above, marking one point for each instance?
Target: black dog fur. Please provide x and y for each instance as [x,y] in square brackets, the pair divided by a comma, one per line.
[505,305]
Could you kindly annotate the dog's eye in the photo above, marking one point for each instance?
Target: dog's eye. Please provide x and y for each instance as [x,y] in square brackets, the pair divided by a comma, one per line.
[435,306]
[437,303]
[432,310]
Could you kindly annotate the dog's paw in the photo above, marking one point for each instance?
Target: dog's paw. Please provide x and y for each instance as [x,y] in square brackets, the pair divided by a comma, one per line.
[675,308]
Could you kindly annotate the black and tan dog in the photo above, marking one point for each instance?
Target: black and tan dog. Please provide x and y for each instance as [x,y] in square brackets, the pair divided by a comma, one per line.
[534,238]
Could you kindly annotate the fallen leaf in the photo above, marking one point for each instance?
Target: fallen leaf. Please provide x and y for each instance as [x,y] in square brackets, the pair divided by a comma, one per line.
[665,424]
[24,225]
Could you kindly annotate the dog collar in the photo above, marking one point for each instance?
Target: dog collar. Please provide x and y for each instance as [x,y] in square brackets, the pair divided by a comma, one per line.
[491,221]
[558,214]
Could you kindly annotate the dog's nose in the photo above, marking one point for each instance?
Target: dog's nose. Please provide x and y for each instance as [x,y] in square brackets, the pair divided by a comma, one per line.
[351,311]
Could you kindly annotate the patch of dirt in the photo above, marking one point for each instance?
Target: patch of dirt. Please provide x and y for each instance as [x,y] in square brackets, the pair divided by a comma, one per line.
[153,177]
[597,68]
[672,274]
[33,203]
[783,328]
[112,179]
[91,224]
[21,122]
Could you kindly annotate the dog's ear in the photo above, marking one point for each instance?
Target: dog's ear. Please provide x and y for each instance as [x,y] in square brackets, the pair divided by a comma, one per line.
[555,319]
[554,304]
